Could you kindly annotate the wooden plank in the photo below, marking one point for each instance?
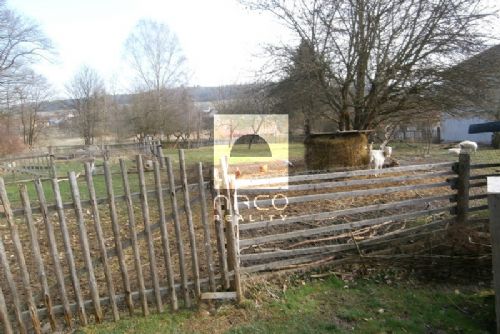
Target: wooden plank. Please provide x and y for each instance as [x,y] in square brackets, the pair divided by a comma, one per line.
[134,243]
[164,237]
[483,176]
[218,295]
[54,253]
[206,229]
[387,237]
[4,315]
[35,249]
[84,244]
[483,166]
[477,185]
[178,234]
[69,253]
[339,227]
[21,260]
[189,221]
[101,241]
[309,177]
[463,188]
[149,236]
[337,213]
[338,184]
[477,208]
[284,201]
[13,288]
[494,215]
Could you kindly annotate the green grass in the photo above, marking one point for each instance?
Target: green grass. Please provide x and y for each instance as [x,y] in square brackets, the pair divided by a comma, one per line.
[334,306]
[404,152]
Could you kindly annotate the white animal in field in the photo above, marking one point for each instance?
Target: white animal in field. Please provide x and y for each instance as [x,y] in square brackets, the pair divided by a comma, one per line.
[455,150]
[468,145]
[377,157]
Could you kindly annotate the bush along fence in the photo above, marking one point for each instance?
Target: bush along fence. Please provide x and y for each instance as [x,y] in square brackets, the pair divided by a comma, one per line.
[67,263]
[149,243]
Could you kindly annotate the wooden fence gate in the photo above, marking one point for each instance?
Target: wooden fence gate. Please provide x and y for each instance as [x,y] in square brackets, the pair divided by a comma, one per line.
[74,256]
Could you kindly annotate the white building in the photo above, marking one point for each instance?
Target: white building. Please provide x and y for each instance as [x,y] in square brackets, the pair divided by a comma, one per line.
[455,129]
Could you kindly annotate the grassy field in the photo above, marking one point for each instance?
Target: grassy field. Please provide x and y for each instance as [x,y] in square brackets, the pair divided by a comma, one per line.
[331,305]
[405,153]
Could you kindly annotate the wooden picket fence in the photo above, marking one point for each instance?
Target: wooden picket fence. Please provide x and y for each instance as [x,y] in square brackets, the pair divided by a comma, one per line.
[91,259]
[85,260]
[37,165]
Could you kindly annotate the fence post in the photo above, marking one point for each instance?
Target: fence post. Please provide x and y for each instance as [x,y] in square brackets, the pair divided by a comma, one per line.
[231,225]
[53,172]
[219,229]
[493,185]
[159,149]
[463,171]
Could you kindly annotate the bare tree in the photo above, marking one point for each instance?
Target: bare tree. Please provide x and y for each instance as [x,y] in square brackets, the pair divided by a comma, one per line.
[87,94]
[379,55]
[31,97]
[156,56]
[21,44]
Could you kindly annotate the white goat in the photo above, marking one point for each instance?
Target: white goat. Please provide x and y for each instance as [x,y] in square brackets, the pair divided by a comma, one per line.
[455,150]
[377,157]
[468,145]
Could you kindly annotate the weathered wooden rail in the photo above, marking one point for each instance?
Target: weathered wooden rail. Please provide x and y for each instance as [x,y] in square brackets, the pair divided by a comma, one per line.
[348,206]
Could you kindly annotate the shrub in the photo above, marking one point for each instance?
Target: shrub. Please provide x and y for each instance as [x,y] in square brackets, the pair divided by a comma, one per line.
[9,143]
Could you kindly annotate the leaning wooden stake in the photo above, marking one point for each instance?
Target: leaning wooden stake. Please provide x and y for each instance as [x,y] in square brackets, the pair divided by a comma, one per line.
[84,244]
[189,220]
[178,234]
[54,253]
[133,238]
[231,235]
[100,241]
[206,228]
[4,315]
[164,237]
[19,253]
[69,252]
[494,208]
[118,240]
[13,288]
[219,228]
[35,249]
[149,235]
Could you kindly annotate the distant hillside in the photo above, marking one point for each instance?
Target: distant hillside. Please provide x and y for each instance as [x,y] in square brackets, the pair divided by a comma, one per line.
[199,94]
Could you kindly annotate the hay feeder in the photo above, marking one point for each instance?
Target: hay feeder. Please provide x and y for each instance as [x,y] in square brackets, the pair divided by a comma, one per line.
[336,149]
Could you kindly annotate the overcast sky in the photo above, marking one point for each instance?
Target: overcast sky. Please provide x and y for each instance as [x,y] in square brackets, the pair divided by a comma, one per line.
[220,38]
